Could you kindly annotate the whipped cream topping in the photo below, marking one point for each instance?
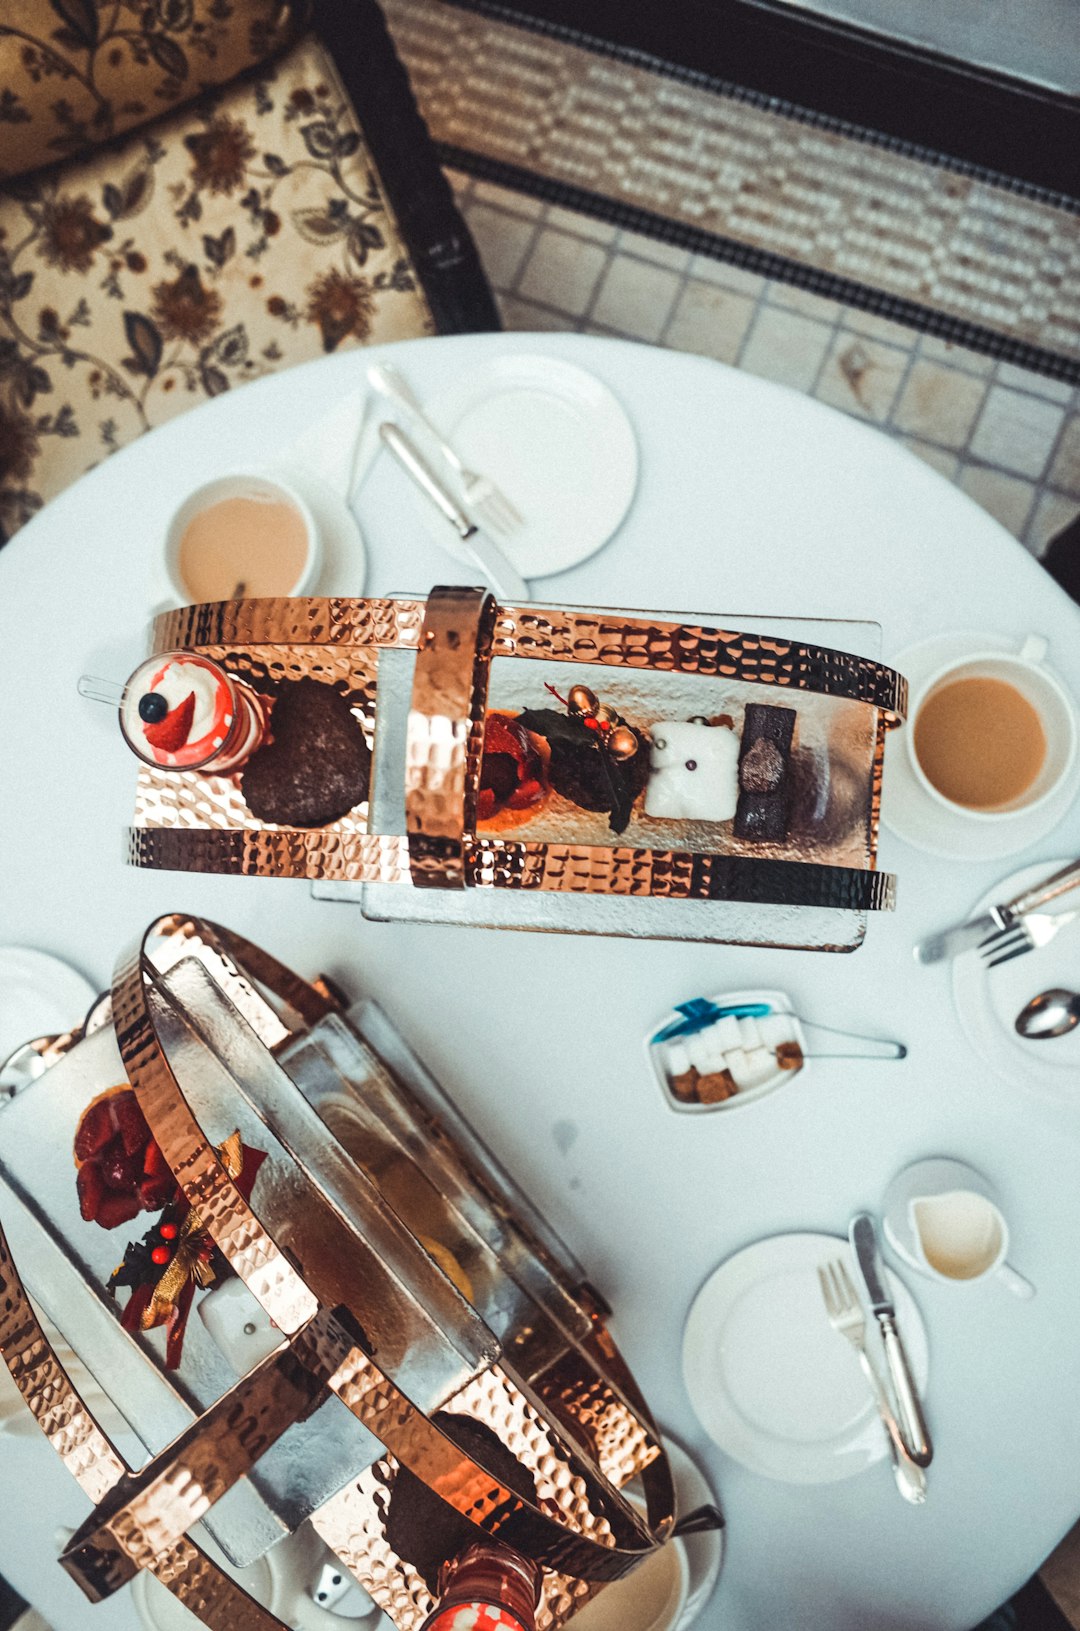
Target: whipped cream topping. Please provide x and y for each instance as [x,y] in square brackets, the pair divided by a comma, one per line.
[177,681]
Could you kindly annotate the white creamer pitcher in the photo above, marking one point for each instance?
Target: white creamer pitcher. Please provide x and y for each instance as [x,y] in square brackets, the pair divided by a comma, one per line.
[943,1217]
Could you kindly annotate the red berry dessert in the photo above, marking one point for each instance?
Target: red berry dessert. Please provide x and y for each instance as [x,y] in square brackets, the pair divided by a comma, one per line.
[121,1170]
[512,772]
[182,711]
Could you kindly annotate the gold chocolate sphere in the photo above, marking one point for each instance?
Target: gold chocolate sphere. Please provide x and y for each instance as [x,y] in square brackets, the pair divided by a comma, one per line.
[622,743]
[606,714]
[581,700]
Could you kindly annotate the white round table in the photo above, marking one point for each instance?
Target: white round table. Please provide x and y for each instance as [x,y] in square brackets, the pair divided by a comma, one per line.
[752,499]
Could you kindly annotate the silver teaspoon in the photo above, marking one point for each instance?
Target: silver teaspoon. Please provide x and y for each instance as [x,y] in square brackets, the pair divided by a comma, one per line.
[1051,1013]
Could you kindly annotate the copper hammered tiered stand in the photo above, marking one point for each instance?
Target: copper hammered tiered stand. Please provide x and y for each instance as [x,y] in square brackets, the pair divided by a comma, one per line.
[370,1298]
[194,822]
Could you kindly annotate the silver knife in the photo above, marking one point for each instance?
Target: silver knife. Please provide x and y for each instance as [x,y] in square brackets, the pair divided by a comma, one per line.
[504,578]
[965,935]
[862,1234]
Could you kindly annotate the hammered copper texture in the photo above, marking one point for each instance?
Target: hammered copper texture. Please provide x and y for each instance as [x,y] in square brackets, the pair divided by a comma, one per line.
[562,1528]
[146,1513]
[637,642]
[96,1465]
[197,823]
[444,737]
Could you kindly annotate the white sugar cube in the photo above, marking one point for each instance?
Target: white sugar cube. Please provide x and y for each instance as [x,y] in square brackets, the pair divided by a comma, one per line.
[749,1035]
[761,1067]
[776,1028]
[705,1051]
[726,1032]
[677,1058]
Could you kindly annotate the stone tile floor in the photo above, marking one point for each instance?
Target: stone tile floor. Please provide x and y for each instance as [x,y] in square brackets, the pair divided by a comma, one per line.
[1008,437]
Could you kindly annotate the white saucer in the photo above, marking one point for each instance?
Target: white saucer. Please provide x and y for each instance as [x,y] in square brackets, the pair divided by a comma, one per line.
[344,553]
[989,999]
[906,808]
[770,1380]
[702,1554]
[39,996]
[558,444]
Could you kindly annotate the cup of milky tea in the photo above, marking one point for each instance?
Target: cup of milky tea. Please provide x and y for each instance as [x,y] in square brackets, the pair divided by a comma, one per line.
[993,735]
[242,537]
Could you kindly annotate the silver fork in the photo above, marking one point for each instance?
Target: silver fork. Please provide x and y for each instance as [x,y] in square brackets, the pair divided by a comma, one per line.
[482,497]
[1027,933]
[846,1316]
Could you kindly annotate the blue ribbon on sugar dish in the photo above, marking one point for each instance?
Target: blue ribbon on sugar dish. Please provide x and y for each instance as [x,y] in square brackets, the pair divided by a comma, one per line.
[699,1013]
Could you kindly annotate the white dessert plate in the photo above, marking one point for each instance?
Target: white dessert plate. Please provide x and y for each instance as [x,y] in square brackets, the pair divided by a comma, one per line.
[989,999]
[557,443]
[906,808]
[771,1382]
[39,996]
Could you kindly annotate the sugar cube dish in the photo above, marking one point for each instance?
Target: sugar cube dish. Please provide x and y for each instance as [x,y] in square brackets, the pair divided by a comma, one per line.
[730,1060]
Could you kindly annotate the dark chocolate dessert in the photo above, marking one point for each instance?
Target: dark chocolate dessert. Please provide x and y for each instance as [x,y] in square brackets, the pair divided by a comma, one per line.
[764,808]
[317,765]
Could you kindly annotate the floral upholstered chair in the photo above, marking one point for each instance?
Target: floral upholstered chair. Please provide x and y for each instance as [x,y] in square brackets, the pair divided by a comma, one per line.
[193,193]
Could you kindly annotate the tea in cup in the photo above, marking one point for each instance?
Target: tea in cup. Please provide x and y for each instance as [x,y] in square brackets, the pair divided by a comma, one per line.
[992,735]
[943,1217]
[242,537]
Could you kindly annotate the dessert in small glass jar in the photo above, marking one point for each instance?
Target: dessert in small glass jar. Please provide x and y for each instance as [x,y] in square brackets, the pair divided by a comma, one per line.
[182,711]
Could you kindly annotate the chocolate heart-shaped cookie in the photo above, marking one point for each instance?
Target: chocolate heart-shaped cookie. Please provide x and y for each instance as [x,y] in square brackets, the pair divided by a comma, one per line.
[317,766]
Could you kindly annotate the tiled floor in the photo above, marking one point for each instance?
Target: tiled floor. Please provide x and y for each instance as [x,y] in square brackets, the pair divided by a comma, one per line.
[1009,437]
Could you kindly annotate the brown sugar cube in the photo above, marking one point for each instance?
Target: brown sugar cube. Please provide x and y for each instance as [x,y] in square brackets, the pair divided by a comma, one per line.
[715,1087]
[684,1086]
[789,1056]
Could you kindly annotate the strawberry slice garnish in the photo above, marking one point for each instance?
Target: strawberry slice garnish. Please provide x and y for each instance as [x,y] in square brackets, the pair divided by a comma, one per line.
[154,1163]
[115,1209]
[96,1128]
[170,733]
[155,1192]
[130,1121]
[90,1183]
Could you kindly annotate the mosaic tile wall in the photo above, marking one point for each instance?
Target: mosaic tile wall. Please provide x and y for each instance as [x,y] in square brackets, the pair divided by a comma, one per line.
[949,244]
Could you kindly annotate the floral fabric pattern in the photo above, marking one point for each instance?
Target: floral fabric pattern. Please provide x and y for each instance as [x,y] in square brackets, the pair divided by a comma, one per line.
[247,233]
[74,73]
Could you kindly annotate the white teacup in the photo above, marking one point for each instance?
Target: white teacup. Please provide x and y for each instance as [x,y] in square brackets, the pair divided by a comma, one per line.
[943,1218]
[1025,671]
[263,489]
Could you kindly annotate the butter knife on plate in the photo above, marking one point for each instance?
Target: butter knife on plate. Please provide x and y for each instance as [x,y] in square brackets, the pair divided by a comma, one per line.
[862,1234]
[953,941]
[503,577]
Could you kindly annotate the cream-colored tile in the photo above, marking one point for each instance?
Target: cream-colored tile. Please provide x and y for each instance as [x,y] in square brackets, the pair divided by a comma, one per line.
[729,277]
[525,317]
[938,458]
[1065,470]
[1026,379]
[786,347]
[789,298]
[654,250]
[583,226]
[939,404]
[635,298]
[709,321]
[862,376]
[958,356]
[1017,431]
[503,241]
[508,198]
[880,328]
[1007,498]
[562,271]
[1053,512]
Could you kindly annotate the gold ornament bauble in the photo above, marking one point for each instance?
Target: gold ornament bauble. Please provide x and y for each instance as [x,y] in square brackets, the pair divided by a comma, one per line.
[581,700]
[622,743]
[607,715]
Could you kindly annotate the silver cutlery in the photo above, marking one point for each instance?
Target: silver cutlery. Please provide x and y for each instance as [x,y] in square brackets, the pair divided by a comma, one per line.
[480,494]
[1028,933]
[862,1233]
[504,578]
[1052,1013]
[966,935]
[846,1317]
